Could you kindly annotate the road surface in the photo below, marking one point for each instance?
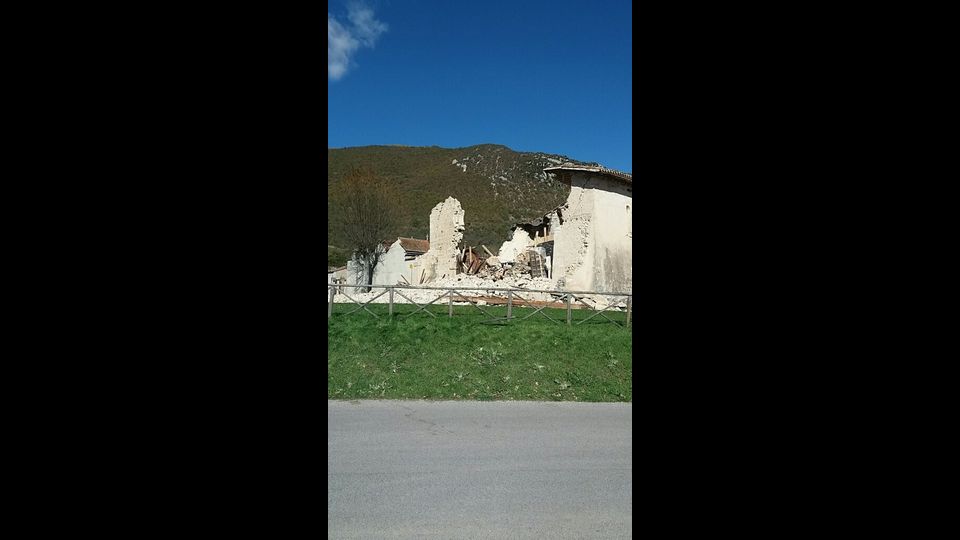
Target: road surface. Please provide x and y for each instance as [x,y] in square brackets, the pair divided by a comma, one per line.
[448,469]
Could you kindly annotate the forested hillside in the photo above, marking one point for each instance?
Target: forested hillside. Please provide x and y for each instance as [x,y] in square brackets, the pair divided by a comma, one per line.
[495,185]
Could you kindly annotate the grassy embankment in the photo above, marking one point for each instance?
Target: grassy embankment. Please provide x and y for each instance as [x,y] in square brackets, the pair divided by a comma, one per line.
[462,358]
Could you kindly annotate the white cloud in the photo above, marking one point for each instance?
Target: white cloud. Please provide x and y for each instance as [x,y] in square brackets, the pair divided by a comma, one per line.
[340,45]
[343,41]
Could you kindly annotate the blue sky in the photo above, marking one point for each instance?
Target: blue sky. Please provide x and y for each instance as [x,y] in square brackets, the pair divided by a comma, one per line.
[548,76]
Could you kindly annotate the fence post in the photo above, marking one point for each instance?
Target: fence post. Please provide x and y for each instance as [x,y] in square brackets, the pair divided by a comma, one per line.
[450,303]
[509,305]
[390,312]
[330,305]
[629,305]
[569,312]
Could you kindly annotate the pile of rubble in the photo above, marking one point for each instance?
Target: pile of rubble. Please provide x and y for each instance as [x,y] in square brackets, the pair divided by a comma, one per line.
[528,263]
[484,285]
[477,278]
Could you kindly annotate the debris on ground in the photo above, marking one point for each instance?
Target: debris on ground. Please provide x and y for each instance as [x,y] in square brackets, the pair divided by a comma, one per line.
[478,277]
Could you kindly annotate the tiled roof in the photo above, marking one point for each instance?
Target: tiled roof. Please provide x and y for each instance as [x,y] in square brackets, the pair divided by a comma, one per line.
[628,178]
[413,244]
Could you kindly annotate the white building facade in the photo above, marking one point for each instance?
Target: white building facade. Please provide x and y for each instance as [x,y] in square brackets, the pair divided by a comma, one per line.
[401,263]
[593,232]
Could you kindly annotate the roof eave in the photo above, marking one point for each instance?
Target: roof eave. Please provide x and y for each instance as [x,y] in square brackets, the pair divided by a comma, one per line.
[628,178]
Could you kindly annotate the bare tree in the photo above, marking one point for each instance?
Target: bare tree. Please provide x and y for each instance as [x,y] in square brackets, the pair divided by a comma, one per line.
[363,211]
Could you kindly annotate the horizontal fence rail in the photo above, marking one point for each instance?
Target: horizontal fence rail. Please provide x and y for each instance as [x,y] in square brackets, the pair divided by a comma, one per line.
[514,298]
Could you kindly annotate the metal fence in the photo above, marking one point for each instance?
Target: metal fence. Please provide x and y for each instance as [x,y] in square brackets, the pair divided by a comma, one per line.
[514,298]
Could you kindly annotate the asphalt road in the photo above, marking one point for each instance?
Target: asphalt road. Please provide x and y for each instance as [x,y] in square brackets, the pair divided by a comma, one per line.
[421,469]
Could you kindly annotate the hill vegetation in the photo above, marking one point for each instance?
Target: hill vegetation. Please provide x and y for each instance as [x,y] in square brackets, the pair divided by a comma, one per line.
[496,186]
[337,257]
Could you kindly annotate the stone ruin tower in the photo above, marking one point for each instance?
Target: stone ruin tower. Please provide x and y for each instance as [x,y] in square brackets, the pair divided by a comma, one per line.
[446,233]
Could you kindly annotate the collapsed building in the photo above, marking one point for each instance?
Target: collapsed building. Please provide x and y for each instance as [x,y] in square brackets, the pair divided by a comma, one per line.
[412,261]
[530,248]
[585,244]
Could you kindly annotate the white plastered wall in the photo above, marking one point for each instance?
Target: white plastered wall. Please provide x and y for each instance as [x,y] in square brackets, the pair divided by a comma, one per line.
[593,246]
[393,265]
[613,242]
[390,267]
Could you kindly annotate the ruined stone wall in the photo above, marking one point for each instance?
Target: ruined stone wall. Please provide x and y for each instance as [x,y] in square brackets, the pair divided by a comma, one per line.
[572,250]
[446,233]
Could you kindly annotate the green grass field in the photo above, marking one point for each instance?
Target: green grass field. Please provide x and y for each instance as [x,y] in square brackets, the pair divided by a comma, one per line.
[469,358]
